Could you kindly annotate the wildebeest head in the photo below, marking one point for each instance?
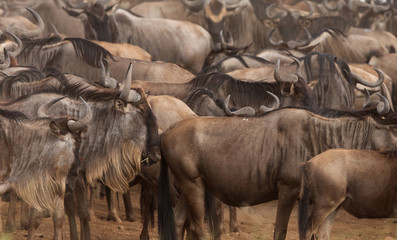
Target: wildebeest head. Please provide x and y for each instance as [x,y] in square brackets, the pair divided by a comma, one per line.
[215,12]
[137,98]
[96,23]
[38,155]
[123,129]
[358,13]
[289,25]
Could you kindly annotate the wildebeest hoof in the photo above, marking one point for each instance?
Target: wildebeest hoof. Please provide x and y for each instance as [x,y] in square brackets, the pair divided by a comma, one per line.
[130,218]
[113,217]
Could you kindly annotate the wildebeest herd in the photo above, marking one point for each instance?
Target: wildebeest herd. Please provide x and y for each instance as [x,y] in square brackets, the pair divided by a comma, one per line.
[201,102]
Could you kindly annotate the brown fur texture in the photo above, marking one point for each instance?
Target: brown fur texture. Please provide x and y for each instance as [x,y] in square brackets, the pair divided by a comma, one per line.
[38,161]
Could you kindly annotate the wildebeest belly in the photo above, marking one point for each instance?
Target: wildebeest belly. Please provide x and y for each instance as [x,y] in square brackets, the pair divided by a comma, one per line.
[238,180]
[370,209]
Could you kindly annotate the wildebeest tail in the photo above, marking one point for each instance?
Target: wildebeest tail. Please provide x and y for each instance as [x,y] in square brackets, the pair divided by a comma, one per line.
[165,212]
[304,208]
[147,202]
[210,211]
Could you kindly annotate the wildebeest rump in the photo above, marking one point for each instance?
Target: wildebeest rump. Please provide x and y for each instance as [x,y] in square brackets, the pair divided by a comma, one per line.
[361,182]
[211,153]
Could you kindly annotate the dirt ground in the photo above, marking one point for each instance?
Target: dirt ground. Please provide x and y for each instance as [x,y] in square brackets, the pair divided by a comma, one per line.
[255,223]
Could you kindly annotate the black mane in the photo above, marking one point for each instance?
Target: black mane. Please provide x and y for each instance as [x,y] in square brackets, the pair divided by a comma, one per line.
[91,52]
[243,93]
[87,90]
[13,116]
[40,43]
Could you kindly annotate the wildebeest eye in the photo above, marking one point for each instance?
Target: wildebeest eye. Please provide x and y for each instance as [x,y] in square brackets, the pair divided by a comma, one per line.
[55,129]
[270,23]
[305,22]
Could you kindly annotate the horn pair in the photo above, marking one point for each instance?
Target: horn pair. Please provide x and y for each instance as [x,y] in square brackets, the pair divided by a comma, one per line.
[249,111]
[382,107]
[24,33]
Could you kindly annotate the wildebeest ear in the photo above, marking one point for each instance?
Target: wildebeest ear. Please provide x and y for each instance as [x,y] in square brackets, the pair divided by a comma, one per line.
[55,128]
[120,105]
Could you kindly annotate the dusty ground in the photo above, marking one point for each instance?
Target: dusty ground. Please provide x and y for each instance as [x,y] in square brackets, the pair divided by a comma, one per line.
[255,223]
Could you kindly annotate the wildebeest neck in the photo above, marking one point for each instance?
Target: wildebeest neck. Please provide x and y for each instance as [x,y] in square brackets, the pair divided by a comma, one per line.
[113,144]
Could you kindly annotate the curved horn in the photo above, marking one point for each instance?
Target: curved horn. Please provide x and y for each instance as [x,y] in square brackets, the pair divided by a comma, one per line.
[5,8]
[127,85]
[311,8]
[269,37]
[288,78]
[6,62]
[263,109]
[383,107]
[40,25]
[381,8]
[270,9]
[195,5]
[232,6]
[79,5]
[19,43]
[329,7]
[102,79]
[299,67]
[54,29]
[107,72]
[295,44]
[77,125]
[105,79]
[42,111]
[245,111]
[357,79]
[353,4]
[225,44]
[367,102]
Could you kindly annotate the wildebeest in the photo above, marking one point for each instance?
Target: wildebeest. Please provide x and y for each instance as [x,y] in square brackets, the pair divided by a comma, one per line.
[183,43]
[209,14]
[201,157]
[122,130]
[38,176]
[252,94]
[339,178]
[22,27]
[352,47]
[83,58]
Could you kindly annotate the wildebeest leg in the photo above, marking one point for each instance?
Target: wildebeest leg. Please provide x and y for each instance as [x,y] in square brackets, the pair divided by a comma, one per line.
[10,222]
[233,224]
[325,228]
[181,215]
[25,215]
[82,209]
[94,192]
[146,202]
[128,206]
[287,197]
[58,220]
[195,192]
[34,222]
[219,212]
[112,211]
[70,209]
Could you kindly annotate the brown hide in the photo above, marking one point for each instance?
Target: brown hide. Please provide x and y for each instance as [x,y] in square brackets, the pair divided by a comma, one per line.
[339,178]
[220,154]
